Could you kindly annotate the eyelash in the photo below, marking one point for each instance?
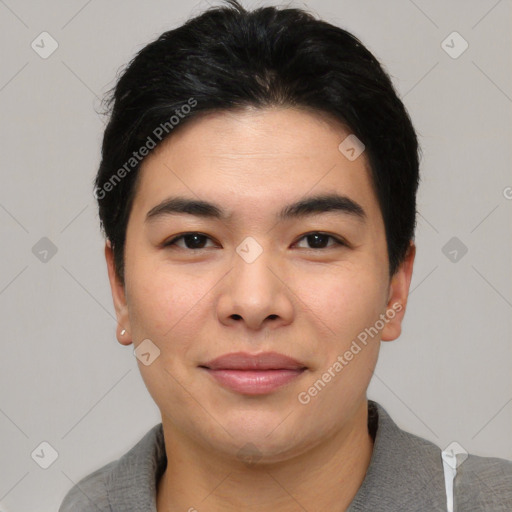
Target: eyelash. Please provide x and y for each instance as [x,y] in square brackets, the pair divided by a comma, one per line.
[338,241]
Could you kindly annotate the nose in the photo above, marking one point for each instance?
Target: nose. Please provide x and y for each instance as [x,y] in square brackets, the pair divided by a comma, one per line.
[256,294]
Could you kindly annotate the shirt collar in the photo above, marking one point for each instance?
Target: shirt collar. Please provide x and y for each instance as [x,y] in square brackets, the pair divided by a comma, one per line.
[132,483]
[405,471]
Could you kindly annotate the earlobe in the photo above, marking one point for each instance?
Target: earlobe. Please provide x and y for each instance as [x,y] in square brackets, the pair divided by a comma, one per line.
[123,337]
[119,298]
[398,295]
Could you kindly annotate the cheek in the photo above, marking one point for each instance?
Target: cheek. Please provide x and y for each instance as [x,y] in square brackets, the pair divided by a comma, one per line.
[347,298]
[349,302]
[166,306]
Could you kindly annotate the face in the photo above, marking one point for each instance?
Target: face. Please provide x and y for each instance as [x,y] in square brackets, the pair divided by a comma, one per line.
[250,277]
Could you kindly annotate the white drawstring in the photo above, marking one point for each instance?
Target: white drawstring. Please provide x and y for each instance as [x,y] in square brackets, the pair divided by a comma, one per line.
[450,470]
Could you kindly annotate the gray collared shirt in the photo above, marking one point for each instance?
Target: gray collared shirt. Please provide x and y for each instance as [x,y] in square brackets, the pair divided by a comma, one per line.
[405,474]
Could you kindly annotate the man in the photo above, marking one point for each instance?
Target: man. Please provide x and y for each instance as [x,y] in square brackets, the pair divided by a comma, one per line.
[258,194]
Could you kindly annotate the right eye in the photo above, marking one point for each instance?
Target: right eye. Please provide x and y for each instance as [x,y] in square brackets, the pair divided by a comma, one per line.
[193,241]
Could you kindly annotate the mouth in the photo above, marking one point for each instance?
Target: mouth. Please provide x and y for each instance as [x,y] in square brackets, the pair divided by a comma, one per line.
[254,374]
[254,382]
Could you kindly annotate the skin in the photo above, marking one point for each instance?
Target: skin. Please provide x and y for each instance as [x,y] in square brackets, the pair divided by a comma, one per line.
[308,303]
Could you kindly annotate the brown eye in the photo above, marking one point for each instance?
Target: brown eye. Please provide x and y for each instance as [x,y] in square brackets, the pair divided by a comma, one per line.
[319,240]
[191,241]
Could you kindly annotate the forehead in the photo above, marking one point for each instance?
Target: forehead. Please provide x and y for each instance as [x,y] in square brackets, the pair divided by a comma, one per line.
[254,161]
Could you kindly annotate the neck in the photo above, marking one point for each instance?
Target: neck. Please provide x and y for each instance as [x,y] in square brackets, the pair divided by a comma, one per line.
[326,477]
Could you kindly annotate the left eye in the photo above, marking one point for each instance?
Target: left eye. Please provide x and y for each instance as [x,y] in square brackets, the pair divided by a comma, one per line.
[319,240]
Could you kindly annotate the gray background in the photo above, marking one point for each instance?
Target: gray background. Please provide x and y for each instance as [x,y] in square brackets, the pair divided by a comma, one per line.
[65,380]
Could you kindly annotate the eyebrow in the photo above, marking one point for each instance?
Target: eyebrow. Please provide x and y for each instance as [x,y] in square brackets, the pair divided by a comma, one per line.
[305,207]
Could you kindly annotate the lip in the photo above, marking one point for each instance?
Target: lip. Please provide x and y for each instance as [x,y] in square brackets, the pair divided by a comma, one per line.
[246,361]
[254,374]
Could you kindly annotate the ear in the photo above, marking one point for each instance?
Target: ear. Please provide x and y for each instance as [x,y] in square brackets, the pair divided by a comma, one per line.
[398,294]
[119,298]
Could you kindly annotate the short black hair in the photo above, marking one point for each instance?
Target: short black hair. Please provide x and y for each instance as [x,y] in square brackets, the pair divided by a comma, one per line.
[227,59]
